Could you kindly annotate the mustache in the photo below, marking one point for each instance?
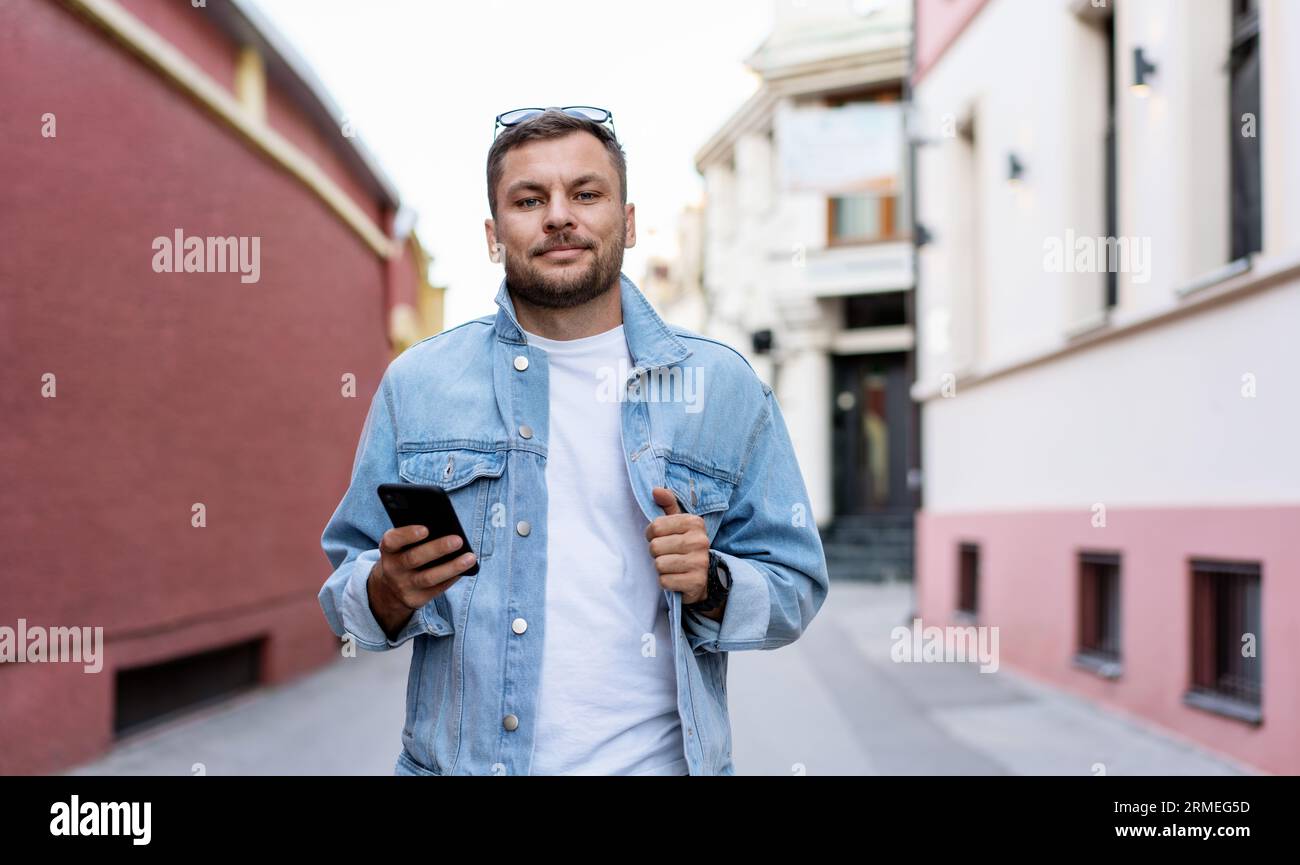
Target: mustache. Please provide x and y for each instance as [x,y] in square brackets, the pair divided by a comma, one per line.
[582,244]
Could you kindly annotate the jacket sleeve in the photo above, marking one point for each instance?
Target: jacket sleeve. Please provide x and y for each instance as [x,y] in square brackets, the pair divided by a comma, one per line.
[351,537]
[770,543]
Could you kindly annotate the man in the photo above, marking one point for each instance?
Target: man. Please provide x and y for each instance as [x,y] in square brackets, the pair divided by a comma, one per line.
[628,490]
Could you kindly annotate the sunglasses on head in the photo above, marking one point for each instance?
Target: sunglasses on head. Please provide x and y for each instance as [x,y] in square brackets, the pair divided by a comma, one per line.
[584,112]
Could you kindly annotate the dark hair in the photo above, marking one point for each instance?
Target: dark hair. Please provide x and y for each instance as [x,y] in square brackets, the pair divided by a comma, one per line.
[551,124]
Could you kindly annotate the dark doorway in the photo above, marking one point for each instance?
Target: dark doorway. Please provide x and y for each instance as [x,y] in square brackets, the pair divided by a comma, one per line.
[871,407]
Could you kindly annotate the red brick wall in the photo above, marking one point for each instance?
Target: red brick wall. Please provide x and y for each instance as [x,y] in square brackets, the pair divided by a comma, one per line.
[198,38]
[187,28]
[172,388]
[289,120]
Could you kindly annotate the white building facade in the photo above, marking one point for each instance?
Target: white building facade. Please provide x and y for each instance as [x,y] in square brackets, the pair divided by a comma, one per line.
[807,259]
[1111,468]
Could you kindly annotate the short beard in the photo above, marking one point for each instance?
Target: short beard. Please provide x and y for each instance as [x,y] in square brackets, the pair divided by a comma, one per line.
[527,280]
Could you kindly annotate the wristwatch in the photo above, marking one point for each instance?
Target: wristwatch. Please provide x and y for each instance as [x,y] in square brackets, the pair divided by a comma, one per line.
[719,586]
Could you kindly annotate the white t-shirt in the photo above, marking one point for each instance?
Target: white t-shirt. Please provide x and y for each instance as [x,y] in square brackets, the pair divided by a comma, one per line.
[608,703]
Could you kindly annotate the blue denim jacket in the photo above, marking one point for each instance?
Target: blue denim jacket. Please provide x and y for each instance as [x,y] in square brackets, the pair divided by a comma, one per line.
[456,410]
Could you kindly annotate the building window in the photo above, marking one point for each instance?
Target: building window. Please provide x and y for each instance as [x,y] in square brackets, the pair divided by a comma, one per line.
[1100,18]
[1226,639]
[1247,218]
[964,239]
[861,218]
[1112,161]
[968,577]
[864,218]
[1099,613]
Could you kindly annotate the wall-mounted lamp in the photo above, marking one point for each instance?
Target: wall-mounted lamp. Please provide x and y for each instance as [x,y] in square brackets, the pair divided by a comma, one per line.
[1015,169]
[921,235]
[761,340]
[1143,69]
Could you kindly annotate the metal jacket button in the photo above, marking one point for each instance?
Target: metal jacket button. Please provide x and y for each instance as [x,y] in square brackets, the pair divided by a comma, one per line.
[521,362]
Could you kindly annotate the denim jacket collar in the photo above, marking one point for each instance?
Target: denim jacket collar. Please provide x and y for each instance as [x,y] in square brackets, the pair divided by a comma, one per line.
[649,340]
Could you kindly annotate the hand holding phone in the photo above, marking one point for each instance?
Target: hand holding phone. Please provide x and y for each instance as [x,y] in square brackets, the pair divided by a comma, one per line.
[424,553]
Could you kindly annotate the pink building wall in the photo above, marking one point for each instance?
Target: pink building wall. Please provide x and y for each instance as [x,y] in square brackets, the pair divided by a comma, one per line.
[938,23]
[1029,589]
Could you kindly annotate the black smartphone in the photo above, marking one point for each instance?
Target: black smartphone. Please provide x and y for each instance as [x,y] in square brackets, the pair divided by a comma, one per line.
[428,506]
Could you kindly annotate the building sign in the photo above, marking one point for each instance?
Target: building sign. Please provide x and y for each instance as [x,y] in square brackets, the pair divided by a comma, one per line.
[854,148]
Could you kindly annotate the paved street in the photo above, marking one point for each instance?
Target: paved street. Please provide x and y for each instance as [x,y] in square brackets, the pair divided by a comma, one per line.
[833,703]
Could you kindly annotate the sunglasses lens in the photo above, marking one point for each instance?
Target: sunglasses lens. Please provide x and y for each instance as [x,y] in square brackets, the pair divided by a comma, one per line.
[598,115]
[519,115]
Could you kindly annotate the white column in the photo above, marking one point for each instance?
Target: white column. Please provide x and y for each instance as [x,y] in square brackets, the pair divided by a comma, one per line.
[804,392]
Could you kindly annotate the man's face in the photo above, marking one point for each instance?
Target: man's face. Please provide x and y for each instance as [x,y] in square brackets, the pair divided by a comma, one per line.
[559,221]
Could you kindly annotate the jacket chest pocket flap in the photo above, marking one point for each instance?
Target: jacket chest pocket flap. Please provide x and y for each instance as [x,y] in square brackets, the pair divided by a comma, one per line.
[466,474]
[701,492]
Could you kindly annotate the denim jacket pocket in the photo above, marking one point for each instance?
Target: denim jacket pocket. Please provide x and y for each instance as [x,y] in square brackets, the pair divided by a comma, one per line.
[706,493]
[466,473]
[431,734]
[408,765]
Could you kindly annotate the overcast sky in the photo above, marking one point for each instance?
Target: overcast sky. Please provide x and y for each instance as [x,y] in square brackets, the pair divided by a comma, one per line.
[422,81]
